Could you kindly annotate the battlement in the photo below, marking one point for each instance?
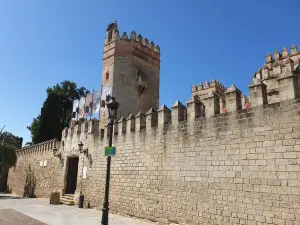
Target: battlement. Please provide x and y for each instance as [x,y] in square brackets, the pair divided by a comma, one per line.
[41,147]
[137,40]
[283,55]
[208,85]
[276,71]
[123,46]
[202,90]
[141,40]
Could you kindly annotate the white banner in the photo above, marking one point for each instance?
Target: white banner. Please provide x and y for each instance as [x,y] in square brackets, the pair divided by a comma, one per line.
[96,101]
[81,107]
[75,104]
[106,91]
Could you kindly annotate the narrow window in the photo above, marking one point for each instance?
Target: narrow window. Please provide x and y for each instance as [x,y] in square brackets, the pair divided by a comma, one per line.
[107,75]
[109,36]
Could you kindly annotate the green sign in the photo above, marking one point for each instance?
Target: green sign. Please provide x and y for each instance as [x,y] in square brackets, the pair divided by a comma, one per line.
[110,151]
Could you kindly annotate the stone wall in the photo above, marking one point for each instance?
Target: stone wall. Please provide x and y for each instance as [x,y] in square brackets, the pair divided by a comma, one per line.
[37,172]
[239,167]
[193,164]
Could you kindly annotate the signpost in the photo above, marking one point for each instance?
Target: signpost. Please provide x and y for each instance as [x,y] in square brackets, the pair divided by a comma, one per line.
[110,151]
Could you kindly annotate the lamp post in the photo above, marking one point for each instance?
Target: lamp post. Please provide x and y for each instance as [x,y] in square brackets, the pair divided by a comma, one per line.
[85,152]
[112,106]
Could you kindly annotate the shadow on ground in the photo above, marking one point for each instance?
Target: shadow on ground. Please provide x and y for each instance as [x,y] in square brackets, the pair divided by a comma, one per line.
[8,196]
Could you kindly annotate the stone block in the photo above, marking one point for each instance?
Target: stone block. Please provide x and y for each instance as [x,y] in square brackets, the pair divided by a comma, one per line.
[233,99]
[55,198]
[258,93]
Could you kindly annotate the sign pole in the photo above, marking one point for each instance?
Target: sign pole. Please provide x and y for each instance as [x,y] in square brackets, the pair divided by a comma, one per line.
[106,201]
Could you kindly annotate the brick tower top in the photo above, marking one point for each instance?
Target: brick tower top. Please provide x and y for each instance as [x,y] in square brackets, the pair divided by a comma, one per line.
[131,71]
[137,44]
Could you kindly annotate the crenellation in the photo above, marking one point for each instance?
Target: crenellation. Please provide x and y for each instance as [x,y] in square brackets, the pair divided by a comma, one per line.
[212,104]
[140,121]
[151,118]
[85,126]
[157,49]
[77,129]
[72,131]
[146,42]
[288,88]
[139,38]
[116,127]
[93,126]
[164,115]
[277,55]
[194,88]
[130,123]
[294,50]
[65,132]
[152,45]
[289,64]
[43,146]
[116,35]
[133,35]
[124,36]
[122,126]
[269,58]
[265,73]
[258,93]
[200,87]
[178,112]
[277,68]
[233,99]
[194,109]
[285,52]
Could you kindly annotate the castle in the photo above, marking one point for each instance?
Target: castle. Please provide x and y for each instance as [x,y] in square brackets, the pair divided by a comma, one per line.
[223,158]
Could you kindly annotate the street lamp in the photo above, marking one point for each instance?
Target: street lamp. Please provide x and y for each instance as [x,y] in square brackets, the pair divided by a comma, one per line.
[81,150]
[112,106]
[56,153]
[86,153]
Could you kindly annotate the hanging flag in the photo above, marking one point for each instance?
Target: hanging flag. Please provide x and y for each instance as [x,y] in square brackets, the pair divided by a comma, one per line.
[96,101]
[105,91]
[75,109]
[81,107]
[88,105]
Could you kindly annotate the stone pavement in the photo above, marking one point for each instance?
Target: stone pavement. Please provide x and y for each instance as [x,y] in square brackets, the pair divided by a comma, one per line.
[19,211]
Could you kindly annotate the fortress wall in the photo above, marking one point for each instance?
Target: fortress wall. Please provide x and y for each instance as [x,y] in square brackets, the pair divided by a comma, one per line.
[179,166]
[238,167]
[37,172]
[233,168]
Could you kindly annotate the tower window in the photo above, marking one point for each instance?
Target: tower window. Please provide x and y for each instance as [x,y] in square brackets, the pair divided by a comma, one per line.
[107,75]
[109,36]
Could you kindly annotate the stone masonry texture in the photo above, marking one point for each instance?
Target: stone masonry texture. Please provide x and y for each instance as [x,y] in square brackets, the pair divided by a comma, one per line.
[216,161]
[240,167]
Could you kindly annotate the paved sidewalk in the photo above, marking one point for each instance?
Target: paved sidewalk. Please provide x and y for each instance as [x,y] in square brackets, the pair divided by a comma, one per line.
[32,211]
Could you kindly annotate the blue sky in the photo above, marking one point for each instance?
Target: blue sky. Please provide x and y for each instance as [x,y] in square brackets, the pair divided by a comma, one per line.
[45,42]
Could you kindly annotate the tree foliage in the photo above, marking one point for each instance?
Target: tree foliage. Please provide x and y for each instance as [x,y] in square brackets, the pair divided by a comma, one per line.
[8,157]
[8,145]
[56,111]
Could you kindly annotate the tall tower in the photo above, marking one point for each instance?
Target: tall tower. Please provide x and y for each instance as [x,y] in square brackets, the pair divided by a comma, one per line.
[131,68]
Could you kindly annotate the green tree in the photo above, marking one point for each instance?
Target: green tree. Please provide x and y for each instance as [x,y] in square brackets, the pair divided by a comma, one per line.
[56,111]
[8,157]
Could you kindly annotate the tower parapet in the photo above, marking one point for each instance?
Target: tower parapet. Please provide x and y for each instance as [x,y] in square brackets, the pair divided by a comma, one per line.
[273,75]
[202,90]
